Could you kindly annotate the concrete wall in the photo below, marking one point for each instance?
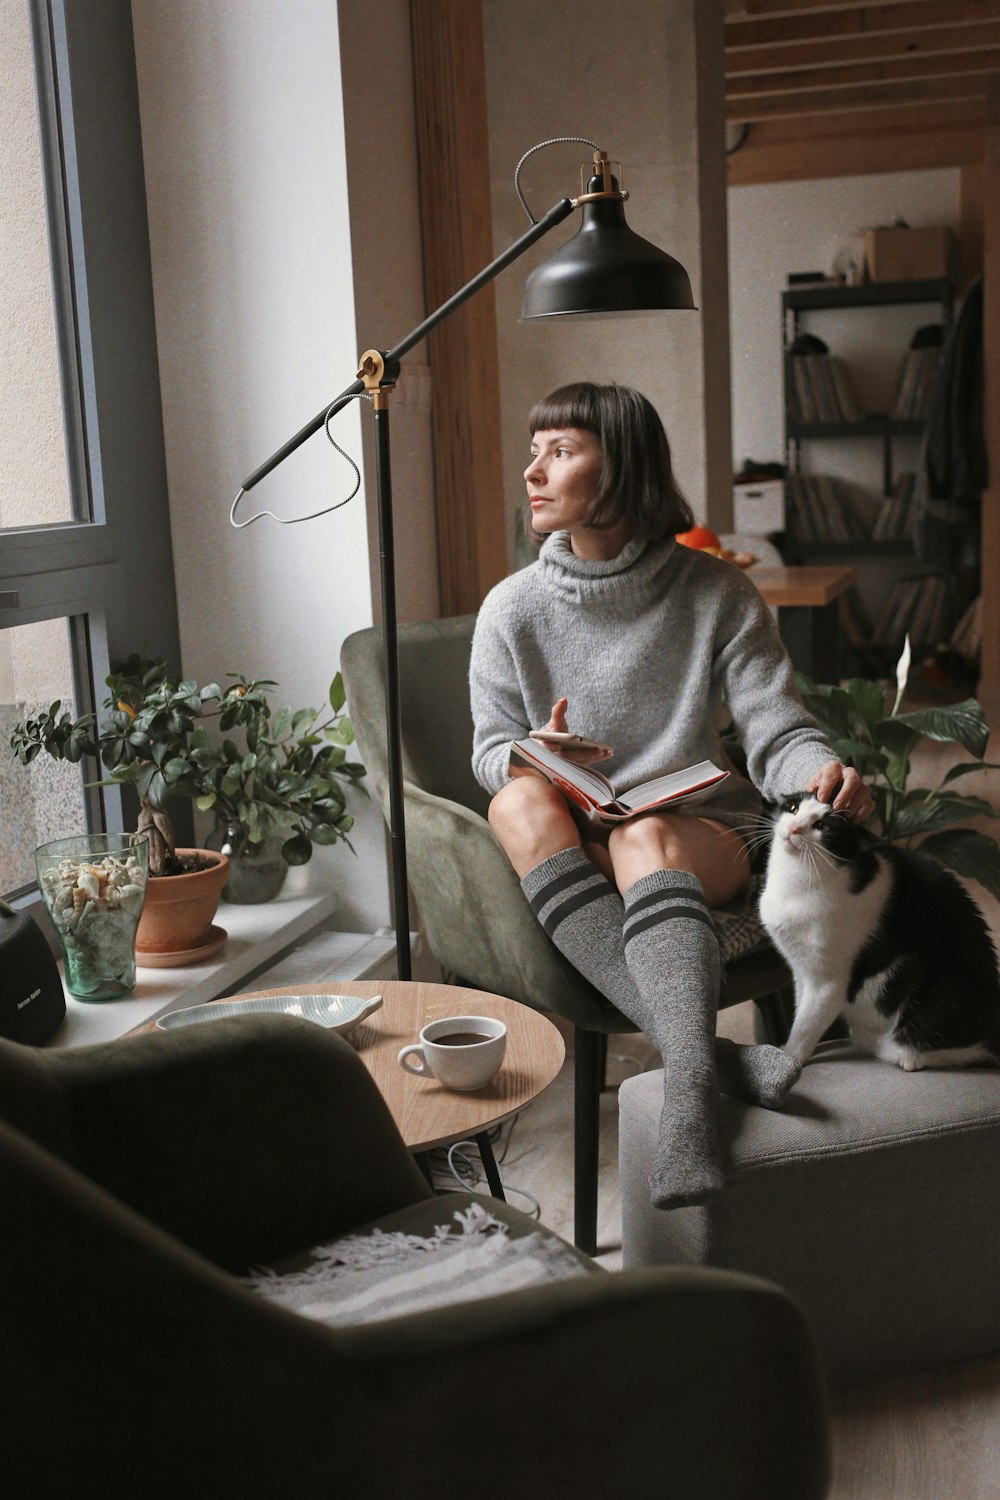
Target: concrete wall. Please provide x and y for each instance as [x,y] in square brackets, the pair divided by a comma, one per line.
[644,80]
[251,239]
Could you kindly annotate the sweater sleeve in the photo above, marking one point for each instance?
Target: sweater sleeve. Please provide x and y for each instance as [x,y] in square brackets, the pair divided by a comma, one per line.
[783,743]
[498,711]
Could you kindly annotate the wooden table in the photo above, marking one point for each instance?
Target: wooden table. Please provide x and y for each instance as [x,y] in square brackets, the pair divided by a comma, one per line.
[427,1113]
[808,613]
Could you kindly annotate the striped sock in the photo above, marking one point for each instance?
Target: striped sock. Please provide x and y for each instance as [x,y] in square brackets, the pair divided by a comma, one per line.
[672,954]
[583,914]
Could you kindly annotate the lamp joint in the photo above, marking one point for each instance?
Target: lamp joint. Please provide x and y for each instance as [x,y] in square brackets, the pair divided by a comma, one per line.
[609,187]
[379,377]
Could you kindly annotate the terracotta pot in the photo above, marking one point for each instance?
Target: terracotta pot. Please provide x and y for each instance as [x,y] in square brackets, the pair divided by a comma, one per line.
[178,910]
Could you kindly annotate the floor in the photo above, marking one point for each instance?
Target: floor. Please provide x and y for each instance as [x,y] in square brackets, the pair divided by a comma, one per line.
[930,1436]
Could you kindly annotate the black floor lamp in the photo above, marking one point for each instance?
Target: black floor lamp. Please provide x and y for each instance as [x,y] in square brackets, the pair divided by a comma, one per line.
[604,269]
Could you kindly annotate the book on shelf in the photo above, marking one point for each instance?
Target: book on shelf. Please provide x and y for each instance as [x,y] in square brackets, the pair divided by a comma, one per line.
[594,794]
[914,606]
[825,509]
[913,386]
[894,521]
[823,390]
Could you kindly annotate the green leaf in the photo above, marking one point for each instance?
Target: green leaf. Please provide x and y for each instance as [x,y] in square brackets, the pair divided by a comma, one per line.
[869,699]
[281,725]
[205,803]
[175,768]
[967,767]
[940,812]
[857,753]
[970,854]
[297,850]
[962,722]
[210,690]
[324,833]
[337,695]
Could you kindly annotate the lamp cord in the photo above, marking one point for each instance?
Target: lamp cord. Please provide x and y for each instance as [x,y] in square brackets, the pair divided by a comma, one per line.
[332,411]
[557,140]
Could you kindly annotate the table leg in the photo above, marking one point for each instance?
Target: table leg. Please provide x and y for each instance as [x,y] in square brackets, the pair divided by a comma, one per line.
[490,1165]
[811,634]
[423,1161]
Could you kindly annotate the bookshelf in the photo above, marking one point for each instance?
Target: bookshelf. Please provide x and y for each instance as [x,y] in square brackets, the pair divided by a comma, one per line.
[831,518]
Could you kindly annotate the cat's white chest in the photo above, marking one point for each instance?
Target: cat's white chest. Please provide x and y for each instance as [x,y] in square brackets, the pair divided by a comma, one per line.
[810,910]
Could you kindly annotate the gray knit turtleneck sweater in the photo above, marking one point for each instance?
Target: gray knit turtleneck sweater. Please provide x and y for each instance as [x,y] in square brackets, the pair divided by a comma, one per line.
[644,646]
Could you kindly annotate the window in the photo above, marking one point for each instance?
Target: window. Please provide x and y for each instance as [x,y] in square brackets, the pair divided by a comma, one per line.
[86,572]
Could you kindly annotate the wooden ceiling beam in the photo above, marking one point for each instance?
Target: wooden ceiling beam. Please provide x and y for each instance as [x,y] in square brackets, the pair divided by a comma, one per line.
[844,145]
[774,106]
[947,65]
[881,47]
[795,7]
[859,20]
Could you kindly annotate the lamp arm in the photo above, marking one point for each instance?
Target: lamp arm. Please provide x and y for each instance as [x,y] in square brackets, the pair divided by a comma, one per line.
[555,215]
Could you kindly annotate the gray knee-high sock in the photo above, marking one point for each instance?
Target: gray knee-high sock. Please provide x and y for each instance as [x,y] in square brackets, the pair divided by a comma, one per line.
[672,953]
[583,914]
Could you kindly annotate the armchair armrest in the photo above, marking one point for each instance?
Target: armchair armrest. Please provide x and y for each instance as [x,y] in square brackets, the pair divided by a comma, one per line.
[479,924]
[247,1138]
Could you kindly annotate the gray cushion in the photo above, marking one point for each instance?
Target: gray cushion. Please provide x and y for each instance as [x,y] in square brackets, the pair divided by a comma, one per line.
[872,1197]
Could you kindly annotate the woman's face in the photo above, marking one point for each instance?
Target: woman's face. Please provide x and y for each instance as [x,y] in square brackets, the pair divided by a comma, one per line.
[563,478]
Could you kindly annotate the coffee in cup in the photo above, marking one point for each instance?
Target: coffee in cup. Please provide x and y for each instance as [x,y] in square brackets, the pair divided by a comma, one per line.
[461,1052]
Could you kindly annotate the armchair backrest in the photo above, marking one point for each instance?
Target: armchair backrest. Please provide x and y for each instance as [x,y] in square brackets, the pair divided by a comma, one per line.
[434,704]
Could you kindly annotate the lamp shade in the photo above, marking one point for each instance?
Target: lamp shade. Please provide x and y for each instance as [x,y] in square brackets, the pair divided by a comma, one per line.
[605,269]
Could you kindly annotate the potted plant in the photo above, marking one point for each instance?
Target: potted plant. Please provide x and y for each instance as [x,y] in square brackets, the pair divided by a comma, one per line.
[151,735]
[880,746]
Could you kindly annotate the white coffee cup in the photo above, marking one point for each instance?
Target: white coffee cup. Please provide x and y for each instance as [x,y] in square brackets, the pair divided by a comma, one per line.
[461,1052]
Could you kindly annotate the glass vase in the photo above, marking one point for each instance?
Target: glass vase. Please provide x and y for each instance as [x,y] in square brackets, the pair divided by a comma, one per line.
[94,887]
[256,871]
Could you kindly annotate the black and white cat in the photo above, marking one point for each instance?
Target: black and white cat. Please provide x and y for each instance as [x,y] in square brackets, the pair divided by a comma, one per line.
[882,934]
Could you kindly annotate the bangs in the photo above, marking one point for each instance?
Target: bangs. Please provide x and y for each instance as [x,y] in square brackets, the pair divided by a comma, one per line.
[569,406]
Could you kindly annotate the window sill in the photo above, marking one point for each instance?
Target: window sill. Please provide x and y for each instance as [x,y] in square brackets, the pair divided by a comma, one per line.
[260,937]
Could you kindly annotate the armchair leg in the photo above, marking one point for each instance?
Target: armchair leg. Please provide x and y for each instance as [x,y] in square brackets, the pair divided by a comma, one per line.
[590,1053]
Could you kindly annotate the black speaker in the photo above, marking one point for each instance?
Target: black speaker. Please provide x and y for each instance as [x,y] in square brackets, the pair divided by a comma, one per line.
[32,1003]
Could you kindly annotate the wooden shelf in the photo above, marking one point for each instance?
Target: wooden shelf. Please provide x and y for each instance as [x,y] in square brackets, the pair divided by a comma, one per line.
[873,427]
[873,294]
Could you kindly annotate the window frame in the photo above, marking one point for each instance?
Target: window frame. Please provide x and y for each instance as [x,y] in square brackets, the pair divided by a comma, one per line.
[94,570]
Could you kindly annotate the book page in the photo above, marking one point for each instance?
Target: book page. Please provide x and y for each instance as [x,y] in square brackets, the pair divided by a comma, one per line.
[591,783]
[701,777]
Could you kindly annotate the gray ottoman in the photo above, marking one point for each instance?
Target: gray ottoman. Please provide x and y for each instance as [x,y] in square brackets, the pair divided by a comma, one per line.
[872,1198]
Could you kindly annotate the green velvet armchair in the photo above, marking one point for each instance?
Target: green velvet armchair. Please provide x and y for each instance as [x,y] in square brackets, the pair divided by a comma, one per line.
[137,1177]
[479,926]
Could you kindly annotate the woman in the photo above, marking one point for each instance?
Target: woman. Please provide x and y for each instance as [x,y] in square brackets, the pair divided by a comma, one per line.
[642,637]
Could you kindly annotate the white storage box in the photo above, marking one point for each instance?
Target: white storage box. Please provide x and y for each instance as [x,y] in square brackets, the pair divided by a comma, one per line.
[759,508]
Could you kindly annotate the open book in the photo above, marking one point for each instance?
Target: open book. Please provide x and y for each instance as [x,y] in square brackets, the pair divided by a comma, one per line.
[594,794]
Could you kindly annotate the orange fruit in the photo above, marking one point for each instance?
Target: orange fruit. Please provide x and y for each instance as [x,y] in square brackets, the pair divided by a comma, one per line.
[700,539]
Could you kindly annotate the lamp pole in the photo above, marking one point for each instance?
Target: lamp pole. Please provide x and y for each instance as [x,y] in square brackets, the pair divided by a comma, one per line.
[377,375]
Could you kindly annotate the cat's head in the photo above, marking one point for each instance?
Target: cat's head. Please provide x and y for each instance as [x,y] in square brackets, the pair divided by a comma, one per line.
[802,822]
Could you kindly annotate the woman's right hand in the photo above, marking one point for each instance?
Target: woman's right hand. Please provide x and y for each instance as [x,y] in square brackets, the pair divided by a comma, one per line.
[582,751]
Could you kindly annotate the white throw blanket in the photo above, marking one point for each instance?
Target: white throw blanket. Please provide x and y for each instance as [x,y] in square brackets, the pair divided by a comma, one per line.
[366,1277]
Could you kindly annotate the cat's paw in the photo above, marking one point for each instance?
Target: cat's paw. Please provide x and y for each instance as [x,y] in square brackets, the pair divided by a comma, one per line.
[911,1062]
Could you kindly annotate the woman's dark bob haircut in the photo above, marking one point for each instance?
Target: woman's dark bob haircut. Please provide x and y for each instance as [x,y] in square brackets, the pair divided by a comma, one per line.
[637,478]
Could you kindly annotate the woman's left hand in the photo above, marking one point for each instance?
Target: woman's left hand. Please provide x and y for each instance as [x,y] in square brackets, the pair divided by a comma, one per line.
[853,798]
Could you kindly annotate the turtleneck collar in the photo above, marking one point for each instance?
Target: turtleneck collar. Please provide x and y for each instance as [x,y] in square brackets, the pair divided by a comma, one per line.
[584,578]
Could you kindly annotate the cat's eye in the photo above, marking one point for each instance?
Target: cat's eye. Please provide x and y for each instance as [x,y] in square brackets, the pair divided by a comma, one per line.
[792,806]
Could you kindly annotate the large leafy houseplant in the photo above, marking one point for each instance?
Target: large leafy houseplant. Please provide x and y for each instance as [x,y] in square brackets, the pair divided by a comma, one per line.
[880,746]
[288,769]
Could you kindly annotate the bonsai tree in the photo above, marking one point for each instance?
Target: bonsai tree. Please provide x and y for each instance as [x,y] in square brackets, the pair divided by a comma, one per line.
[290,771]
[880,746]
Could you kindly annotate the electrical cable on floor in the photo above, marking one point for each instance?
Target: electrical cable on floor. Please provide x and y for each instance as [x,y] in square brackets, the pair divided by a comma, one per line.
[469,1174]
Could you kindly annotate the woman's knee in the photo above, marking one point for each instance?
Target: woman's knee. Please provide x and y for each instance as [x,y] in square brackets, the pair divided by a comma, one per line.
[531,821]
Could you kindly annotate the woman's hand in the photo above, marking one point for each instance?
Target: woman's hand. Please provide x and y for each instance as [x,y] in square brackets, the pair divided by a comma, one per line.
[852,798]
[583,754]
